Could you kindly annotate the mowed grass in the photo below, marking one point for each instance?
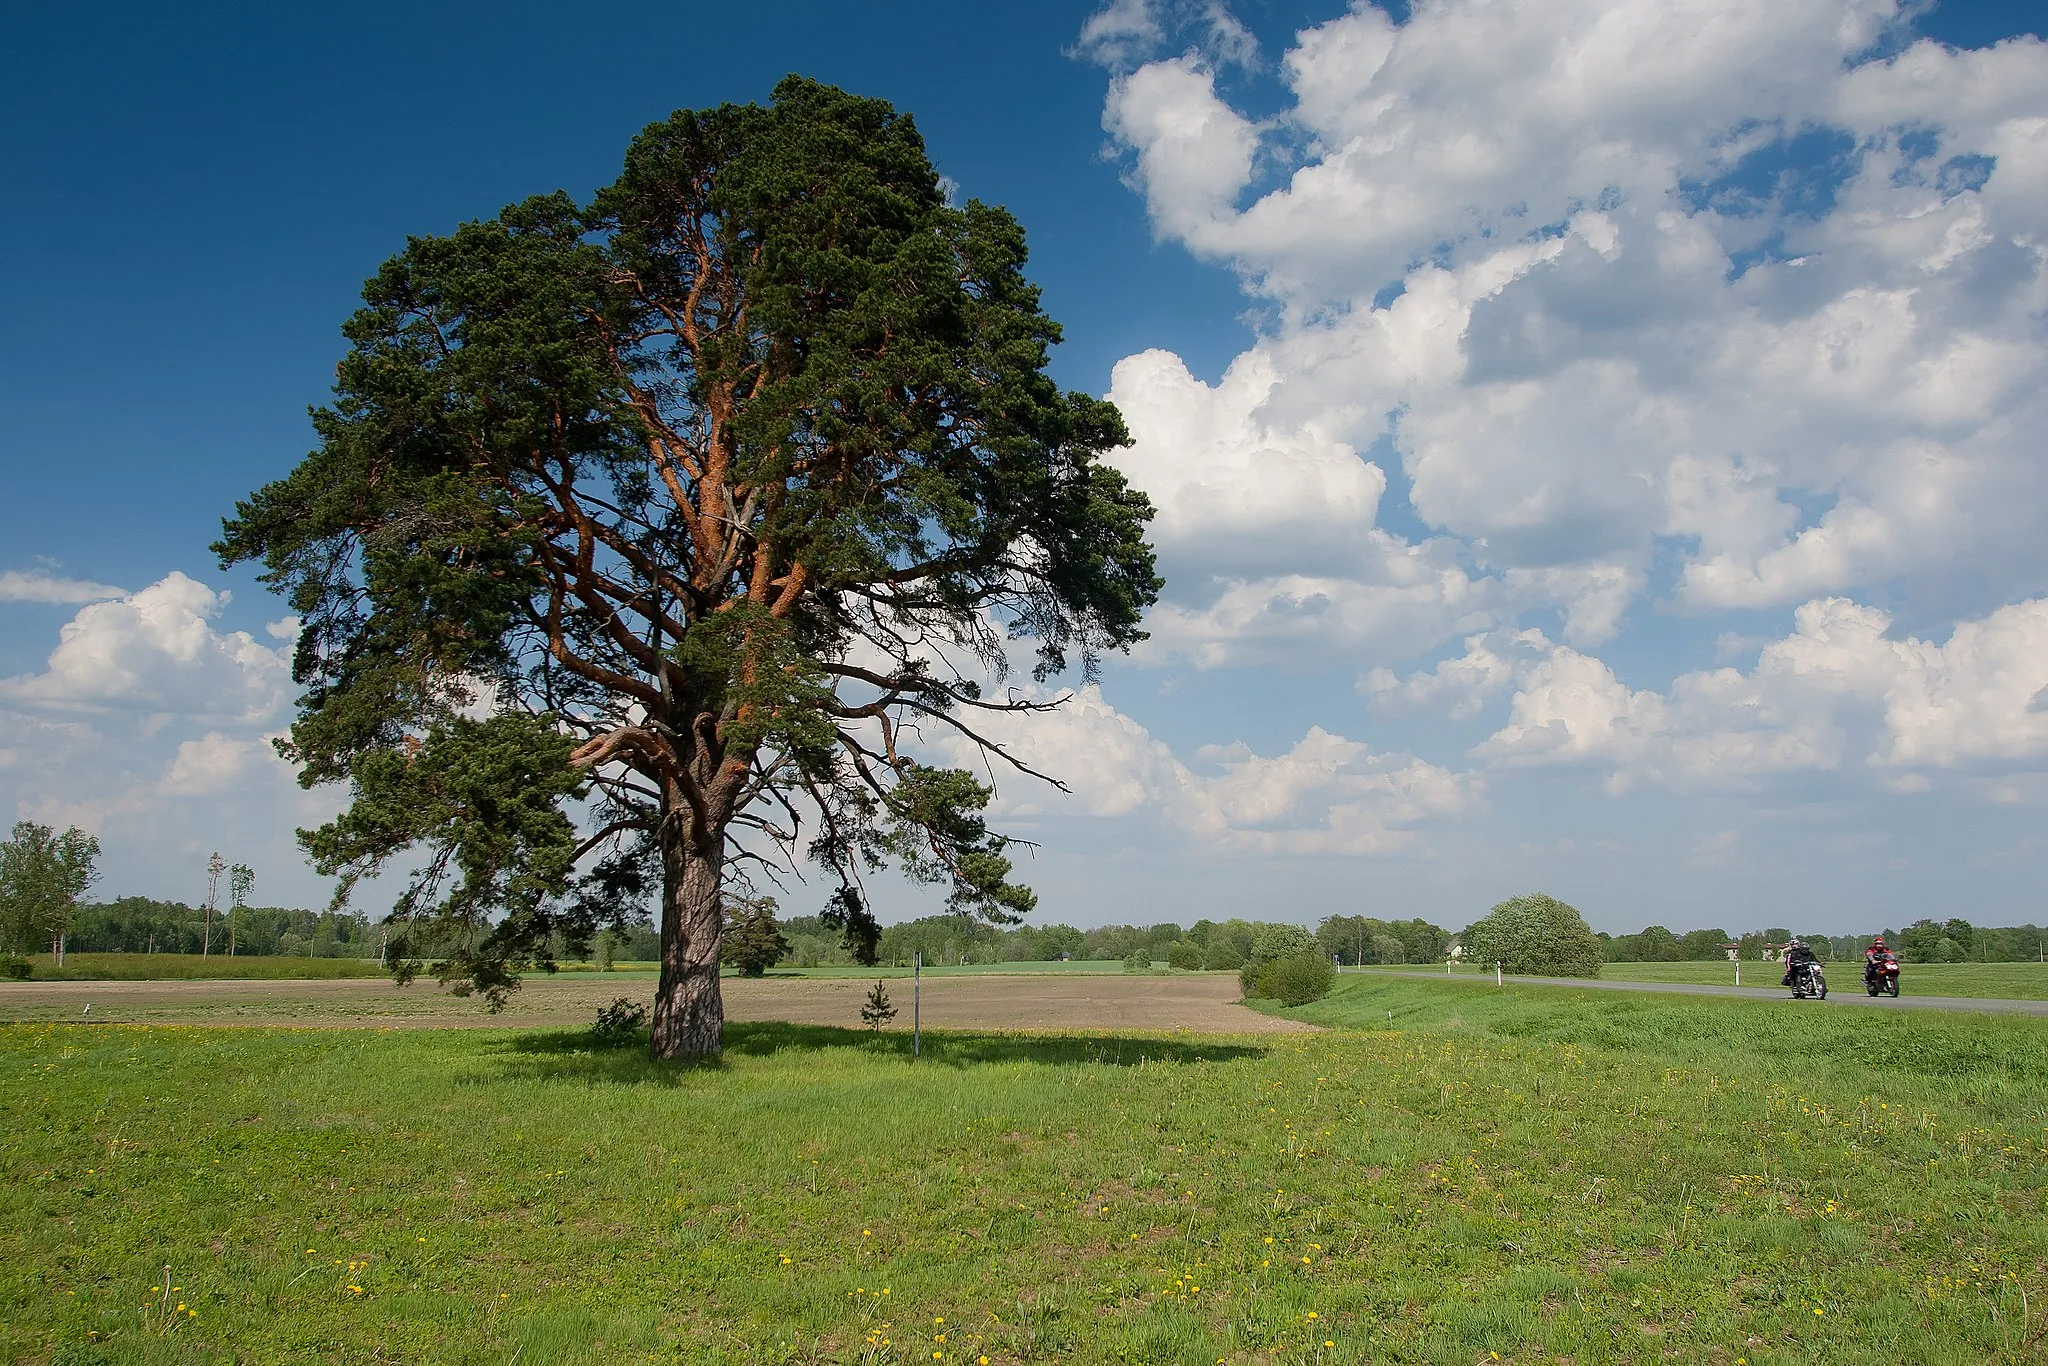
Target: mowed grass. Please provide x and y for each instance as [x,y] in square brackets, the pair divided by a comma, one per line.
[172,967]
[1542,1175]
[2011,981]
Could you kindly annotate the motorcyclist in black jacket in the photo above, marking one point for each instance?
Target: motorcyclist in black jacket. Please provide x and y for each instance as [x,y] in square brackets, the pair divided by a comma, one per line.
[1798,957]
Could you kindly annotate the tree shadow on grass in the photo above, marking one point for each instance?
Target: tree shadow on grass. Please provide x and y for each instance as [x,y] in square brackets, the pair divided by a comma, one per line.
[558,1055]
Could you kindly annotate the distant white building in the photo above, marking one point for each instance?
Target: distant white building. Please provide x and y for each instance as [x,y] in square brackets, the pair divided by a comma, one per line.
[1457,950]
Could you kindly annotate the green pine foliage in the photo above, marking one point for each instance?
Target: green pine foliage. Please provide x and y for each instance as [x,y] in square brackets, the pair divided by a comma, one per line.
[876,1010]
[753,941]
[662,509]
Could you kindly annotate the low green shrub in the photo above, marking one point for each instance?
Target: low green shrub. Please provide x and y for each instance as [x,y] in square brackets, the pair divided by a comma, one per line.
[16,967]
[620,1022]
[1138,960]
[1296,979]
[1272,943]
[1185,955]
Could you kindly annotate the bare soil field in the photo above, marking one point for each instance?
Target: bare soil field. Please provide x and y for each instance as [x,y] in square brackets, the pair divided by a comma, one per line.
[1198,1002]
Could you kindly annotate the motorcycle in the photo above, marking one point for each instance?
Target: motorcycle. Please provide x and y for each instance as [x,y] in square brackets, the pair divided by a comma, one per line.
[1881,976]
[1807,981]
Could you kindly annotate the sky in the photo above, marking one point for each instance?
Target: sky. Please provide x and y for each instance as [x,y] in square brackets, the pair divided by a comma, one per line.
[1598,444]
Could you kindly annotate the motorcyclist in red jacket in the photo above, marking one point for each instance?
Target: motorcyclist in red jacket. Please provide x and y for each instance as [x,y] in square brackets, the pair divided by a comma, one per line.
[1874,959]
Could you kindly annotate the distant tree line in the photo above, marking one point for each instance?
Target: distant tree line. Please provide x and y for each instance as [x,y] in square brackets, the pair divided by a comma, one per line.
[950,940]
[136,924]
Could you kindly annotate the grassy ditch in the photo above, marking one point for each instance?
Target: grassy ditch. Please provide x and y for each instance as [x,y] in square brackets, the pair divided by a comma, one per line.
[1537,1175]
[2010,981]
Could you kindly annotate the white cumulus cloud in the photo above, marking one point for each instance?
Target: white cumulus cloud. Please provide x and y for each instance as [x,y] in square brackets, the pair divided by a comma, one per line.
[1325,795]
[157,651]
[1693,301]
[21,586]
[1841,691]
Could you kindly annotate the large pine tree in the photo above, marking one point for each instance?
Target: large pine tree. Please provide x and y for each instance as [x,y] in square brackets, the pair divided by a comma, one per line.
[642,536]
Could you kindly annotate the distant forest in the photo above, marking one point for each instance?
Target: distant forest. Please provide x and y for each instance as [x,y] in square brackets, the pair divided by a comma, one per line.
[143,925]
[140,924]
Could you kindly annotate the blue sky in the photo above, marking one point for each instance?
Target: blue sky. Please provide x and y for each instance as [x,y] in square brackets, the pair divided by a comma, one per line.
[1591,457]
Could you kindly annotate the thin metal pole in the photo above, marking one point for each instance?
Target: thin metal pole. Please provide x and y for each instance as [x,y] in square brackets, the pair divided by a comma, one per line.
[916,1026]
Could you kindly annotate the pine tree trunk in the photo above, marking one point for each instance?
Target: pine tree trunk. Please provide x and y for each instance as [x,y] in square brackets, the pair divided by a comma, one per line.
[689,1012]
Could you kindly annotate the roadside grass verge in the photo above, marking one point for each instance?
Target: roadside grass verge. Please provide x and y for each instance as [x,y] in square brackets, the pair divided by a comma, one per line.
[2011,981]
[1541,1175]
[1955,1053]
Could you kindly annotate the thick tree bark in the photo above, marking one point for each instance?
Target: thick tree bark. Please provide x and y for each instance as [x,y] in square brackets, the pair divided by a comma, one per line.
[689,1011]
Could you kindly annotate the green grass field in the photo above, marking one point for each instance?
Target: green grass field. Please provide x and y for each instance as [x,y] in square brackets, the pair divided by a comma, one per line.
[1539,1174]
[152,967]
[2012,981]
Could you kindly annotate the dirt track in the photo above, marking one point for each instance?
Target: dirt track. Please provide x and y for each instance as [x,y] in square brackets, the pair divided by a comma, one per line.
[1204,1003]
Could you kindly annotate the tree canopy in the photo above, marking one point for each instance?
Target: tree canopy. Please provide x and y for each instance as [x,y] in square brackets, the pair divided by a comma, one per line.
[644,538]
[42,876]
[1538,935]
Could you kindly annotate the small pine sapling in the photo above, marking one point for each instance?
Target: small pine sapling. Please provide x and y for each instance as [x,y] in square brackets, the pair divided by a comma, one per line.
[876,1010]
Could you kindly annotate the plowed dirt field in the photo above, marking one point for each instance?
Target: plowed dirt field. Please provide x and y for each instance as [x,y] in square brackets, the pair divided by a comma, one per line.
[1198,1002]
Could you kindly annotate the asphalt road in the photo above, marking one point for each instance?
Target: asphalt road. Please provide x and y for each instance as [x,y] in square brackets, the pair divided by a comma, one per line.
[1850,995]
